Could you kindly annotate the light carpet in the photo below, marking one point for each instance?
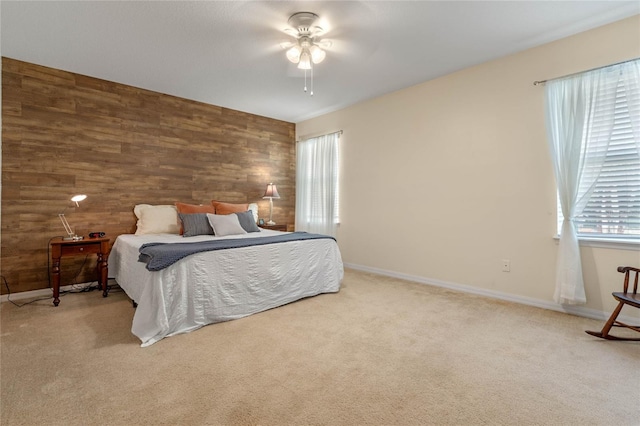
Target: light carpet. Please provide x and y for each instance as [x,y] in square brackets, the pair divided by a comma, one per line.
[382,351]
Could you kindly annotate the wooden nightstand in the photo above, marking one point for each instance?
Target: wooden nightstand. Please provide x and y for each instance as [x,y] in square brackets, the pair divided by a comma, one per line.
[274,227]
[60,248]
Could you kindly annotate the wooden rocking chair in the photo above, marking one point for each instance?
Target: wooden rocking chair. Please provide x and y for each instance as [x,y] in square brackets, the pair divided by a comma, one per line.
[624,298]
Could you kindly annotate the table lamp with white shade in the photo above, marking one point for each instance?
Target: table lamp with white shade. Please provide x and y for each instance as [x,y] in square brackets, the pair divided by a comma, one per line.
[271,193]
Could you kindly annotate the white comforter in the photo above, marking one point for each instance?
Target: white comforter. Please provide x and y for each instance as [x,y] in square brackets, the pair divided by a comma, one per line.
[222,285]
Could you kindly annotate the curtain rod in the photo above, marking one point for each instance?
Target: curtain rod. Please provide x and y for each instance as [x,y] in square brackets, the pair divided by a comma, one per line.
[535,83]
[315,135]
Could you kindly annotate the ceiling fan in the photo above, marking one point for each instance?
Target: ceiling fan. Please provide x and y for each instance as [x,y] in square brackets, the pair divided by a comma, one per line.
[307,49]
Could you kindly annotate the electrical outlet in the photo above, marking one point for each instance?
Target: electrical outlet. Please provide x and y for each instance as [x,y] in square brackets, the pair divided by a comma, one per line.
[506,265]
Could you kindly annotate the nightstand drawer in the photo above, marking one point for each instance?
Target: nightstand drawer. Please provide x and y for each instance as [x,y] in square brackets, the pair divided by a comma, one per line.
[85,248]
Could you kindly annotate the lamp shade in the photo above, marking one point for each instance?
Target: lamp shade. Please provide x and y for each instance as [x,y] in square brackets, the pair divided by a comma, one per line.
[77,198]
[271,192]
[305,60]
[317,54]
[293,54]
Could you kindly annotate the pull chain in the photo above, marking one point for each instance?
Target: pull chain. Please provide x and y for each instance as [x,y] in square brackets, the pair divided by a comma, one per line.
[305,81]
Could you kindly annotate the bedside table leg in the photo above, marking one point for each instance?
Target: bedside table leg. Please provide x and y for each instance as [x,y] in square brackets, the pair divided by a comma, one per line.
[103,271]
[56,281]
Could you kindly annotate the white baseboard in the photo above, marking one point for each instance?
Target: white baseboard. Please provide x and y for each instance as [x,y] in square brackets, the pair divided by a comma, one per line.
[573,310]
[44,292]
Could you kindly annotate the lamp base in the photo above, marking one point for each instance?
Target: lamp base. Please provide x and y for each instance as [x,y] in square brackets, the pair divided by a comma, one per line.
[73,238]
[271,223]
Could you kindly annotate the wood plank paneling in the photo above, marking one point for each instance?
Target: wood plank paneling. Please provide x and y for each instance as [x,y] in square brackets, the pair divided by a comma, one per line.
[64,134]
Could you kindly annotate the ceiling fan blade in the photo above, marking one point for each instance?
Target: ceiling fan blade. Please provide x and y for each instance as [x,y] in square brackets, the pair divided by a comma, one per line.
[287,44]
[292,32]
[325,44]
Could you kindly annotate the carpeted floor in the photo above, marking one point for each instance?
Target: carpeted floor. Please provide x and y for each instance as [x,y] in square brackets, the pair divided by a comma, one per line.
[380,352]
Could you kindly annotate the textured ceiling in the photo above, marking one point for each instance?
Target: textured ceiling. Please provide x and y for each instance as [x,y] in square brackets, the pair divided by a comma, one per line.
[227,53]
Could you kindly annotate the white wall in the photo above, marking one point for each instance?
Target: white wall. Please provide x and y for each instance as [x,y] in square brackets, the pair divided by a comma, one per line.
[444,179]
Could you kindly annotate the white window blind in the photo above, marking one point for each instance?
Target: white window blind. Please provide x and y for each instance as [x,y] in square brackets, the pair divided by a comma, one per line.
[613,210]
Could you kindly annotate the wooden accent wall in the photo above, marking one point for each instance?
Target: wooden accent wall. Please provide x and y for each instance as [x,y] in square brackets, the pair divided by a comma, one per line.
[66,134]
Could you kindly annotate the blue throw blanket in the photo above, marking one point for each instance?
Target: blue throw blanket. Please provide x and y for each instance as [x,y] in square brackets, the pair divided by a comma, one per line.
[158,256]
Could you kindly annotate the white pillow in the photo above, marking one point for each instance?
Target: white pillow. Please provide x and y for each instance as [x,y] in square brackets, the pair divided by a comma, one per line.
[161,219]
[225,224]
[254,209]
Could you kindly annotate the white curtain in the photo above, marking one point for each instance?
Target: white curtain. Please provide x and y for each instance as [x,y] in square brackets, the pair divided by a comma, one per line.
[317,185]
[630,75]
[579,126]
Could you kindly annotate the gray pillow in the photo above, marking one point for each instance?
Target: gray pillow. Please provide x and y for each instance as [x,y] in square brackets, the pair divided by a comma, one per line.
[195,224]
[247,221]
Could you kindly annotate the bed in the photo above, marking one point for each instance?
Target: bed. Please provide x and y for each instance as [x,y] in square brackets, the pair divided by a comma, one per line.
[221,285]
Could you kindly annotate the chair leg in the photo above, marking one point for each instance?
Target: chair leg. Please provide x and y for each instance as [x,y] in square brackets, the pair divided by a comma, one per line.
[607,326]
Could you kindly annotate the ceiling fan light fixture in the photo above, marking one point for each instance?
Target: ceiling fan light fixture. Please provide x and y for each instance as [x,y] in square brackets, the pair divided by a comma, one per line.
[306,50]
[305,60]
[293,54]
[317,54]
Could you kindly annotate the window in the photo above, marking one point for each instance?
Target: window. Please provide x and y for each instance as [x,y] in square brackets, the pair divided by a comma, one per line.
[613,208]
[593,129]
[317,189]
